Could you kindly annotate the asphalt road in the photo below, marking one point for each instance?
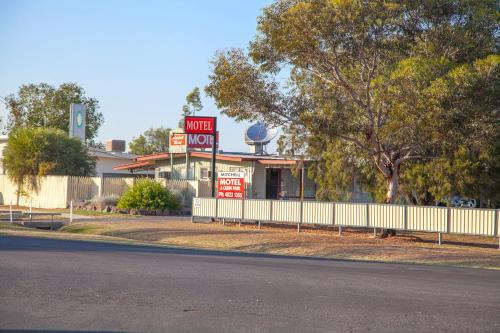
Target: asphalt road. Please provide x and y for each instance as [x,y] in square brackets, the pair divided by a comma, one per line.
[59,286]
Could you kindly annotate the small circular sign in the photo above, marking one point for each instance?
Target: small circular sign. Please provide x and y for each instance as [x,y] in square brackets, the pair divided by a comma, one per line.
[79,118]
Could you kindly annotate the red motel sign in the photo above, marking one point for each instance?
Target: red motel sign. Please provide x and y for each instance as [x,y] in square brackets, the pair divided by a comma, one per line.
[231,185]
[199,125]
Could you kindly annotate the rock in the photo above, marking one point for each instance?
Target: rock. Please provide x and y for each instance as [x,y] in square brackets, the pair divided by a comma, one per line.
[133,211]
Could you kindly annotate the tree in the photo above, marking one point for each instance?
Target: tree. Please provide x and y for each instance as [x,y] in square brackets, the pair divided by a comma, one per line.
[154,140]
[36,152]
[193,105]
[42,105]
[386,84]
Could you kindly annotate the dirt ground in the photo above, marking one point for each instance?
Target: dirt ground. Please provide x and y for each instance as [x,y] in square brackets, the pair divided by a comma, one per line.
[457,250]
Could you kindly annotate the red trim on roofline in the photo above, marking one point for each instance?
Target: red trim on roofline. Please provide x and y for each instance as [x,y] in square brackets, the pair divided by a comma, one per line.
[277,162]
[221,157]
[155,156]
[148,160]
[135,165]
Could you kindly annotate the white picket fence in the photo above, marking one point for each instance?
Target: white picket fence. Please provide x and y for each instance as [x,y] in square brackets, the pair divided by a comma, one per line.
[468,221]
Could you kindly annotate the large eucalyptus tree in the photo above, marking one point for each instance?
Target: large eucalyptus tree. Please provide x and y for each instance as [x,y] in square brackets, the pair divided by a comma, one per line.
[382,83]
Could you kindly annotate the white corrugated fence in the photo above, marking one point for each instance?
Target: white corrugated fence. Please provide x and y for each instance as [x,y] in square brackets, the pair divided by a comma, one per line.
[468,221]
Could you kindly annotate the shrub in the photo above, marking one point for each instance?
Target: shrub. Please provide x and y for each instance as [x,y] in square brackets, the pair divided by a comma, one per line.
[108,200]
[150,195]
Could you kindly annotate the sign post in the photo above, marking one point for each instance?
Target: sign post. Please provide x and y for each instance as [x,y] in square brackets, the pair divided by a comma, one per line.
[231,185]
[214,152]
[204,125]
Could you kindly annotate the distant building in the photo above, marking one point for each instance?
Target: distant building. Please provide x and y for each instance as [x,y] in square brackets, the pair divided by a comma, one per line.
[113,155]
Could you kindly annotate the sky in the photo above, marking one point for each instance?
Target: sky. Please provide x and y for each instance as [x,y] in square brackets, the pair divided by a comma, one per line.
[138,58]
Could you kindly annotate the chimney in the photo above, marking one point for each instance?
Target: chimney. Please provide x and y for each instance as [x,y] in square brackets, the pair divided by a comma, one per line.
[115,146]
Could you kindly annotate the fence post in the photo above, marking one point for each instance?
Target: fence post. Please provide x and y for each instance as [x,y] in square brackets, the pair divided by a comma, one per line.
[448,220]
[242,209]
[367,215]
[301,214]
[216,208]
[11,219]
[71,212]
[497,212]
[101,185]
[405,217]
[333,213]
[271,211]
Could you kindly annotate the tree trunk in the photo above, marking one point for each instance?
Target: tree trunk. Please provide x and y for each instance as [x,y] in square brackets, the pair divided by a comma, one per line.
[392,190]
[392,187]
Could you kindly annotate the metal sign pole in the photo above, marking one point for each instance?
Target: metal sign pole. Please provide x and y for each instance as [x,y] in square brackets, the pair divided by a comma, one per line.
[214,152]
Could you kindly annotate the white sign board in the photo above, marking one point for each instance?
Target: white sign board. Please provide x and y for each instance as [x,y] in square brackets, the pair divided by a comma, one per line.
[231,185]
[77,121]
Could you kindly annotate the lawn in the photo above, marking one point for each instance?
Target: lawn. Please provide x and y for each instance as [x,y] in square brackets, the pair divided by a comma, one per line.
[470,251]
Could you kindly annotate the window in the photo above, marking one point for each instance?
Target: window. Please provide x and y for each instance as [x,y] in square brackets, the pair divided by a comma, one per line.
[165,174]
[205,173]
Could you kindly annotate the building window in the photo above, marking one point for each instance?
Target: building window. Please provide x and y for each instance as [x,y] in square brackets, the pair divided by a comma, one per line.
[205,173]
[165,174]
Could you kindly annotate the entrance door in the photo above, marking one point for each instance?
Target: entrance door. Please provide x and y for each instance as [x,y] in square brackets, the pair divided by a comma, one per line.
[273,180]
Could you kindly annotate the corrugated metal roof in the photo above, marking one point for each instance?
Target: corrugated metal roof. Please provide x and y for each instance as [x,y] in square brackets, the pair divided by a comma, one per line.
[224,156]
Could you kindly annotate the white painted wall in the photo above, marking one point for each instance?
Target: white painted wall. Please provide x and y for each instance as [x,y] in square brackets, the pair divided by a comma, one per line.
[105,165]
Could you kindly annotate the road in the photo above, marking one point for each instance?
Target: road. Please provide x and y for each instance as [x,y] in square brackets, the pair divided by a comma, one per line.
[57,285]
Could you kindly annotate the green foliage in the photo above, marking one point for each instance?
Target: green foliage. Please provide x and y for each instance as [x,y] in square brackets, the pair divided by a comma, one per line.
[42,105]
[150,195]
[193,105]
[468,173]
[44,151]
[154,140]
[371,88]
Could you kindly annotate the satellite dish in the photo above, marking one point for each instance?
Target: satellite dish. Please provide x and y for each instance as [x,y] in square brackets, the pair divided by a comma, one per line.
[258,135]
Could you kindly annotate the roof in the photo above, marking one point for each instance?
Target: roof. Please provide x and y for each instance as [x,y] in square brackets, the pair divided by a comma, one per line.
[221,156]
[136,165]
[97,152]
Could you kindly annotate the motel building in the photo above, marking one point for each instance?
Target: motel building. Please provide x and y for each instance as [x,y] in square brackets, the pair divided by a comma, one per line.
[266,176]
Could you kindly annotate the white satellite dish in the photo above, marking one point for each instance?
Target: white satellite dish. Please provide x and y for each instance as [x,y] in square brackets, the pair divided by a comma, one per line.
[258,135]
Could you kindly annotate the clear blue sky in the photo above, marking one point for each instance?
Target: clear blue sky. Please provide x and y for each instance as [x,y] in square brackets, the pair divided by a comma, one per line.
[138,58]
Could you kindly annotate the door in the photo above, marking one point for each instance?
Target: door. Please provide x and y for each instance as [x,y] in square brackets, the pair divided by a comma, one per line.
[273,181]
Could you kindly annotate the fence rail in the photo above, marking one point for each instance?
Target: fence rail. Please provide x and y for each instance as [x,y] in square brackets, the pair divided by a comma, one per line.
[467,221]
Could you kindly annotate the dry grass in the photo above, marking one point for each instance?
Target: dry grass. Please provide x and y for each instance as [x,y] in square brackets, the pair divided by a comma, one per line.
[471,251]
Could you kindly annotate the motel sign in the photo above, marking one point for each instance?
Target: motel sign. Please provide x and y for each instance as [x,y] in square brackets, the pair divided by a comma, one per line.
[202,140]
[203,125]
[199,125]
[231,185]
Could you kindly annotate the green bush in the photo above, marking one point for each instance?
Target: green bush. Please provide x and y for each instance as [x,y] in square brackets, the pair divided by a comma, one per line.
[148,194]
